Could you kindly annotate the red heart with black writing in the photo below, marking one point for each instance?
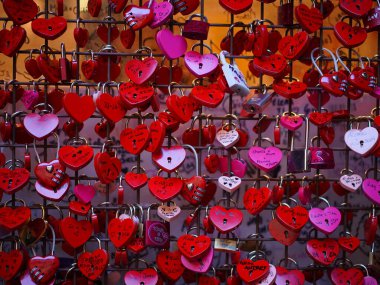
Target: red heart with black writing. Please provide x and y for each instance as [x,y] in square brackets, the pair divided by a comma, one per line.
[47,173]
[294,218]
[170,265]
[355,9]
[289,90]
[157,136]
[107,168]
[80,108]
[89,68]
[127,38]
[327,134]
[81,36]
[286,277]
[282,234]
[49,29]
[20,13]
[313,97]
[169,158]
[236,6]
[121,231]
[13,180]
[133,95]
[340,276]
[320,119]
[225,220]
[136,180]
[349,243]
[209,96]
[110,107]
[181,107]
[147,276]
[271,65]
[12,219]
[49,68]
[12,40]
[135,140]
[43,269]
[250,271]
[94,7]
[335,83]
[165,189]
[349,36]
[140,71]
[102,32]
[323,251]
[139,16]
[93,264]
[193,247]
[75,158]
[309,18]
[163,76]
[255,200]
[10,264]
[74,232]
[293,47]
[196,191]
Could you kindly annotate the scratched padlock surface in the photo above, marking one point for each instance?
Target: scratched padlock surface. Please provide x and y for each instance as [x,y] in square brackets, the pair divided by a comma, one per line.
[231,104]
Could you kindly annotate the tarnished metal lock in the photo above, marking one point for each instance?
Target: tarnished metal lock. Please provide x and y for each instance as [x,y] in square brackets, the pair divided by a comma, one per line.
[257,101]
[157,233]
[372,19]
[195,29]
[235,79]
[321,157]
[64,65]
[226,244]
[285,13]
[298,160]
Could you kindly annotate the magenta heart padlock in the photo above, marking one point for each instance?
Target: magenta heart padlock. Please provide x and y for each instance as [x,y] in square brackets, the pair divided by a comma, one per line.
[157,233]
[372,20]
[30,99]
[162,11]
[238,165]
[201,264]
[201,65]
[371,189]
[173,46]
[325,220]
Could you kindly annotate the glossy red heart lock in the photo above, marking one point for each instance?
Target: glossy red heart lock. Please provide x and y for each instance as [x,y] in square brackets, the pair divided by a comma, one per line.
[140,71]
[107,167]
[102,64]
[348,35]
[293,47]
[236,7]
[164,76]
[255,200]
[70,127]
[196,191]
[80,108]
[136,180]
[355,9]
[135,140]
[261,42]
[193,247]
[169,264]
[74,232]
[138,17]
[225,220]
[104,127]
[93,264]
[121,230]
[340,276]
[370,229]
[293,218]
[76,157]
[252,271]
[133,95]
[209,96]
[363,79]
[238,42]
[169,121]
[273,65]
[289,89]
[12,181]
[79,208]
[110,107]
[43,269]
[11,263]
[14,218]
[181,107]
[20,14]
[282,234]
[320,119]
[12,40]
[323,251]
[310,19]
[211,163]
[50,174]
[49,29]
[327,134]
[349,243]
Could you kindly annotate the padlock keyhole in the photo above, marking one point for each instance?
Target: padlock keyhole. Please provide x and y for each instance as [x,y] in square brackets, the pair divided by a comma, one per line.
[50,28]
[294,220]
[169,159]
[134,95]
[140,73]
[192,248]
[361,143]
[134,143]
[200,65]
[287,282]
[142,283]
[286,234]
[327,221]
[324,253]
[225,221]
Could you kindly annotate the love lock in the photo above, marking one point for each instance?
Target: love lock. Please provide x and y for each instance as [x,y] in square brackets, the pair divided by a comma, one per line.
[254,268]
[287,276]
[196,30]
[256,102]
[326,220]
[226,220]
[362,141]
[157,233]
[11,261]
[321,157]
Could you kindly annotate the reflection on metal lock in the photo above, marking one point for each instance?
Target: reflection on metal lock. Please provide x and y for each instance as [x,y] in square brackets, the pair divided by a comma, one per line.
[196,30]
[285,13]
[371,20]
[226,244]
[321,157]
[235,79]
[257,101]
[298,159]
[157,233]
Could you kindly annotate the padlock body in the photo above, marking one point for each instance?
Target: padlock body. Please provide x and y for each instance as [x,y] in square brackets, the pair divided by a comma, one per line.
[196,30]
[285,14]
[372,20]
[255,103]
[235,80]
[226,245]
[321,158]
[157,234]
[64,65]
[298,161]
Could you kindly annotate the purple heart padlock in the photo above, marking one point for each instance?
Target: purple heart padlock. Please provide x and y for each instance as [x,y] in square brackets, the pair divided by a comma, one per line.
[238,166]
[173,46]
[369,280]
[40,126]
[326,220]
[201,264]
[371,189]
[161,11]
[29,99]
[201,65]
[84,193]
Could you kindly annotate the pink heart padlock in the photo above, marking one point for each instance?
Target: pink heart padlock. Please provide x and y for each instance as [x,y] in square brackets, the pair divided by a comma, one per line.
[292,123]
[169,159]
[162,12]
[371,189]
[84,193]
[326,220]
[40,126]
[147,276]
[56,194]
[265,159]
[201,65]
[30,99]
[238,166]
[201,264]
[173,46]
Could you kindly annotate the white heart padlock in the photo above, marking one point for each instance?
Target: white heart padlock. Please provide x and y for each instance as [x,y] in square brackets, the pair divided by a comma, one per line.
[229,184]
[351,182]
[168,213]
[362,141]
[227,138]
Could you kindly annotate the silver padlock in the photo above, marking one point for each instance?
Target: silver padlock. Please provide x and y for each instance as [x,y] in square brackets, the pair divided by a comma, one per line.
[257,101]
[235,79]
[226,244]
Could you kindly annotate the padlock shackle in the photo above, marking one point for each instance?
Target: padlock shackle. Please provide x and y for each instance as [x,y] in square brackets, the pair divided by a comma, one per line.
[362,266]
[137,260]
[12,164]
[262,139]
[58,147]
[197,170]
[286,262]
[313,60]
[343,261]
[340,60]
[53,206]
[172,85]
[92,238]
[369,170]
[75,82]
[10,238]
[254,254]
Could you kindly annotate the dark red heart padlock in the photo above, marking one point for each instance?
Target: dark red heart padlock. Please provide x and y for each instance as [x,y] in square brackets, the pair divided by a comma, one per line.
[348,35]
[121,230]
[294,218]
[93,264]
[238,42]
[370,229]
[327,6]
[327,134]
[236,7]
[282,234]
[49,67]
[355,9]
[170,122]
[135,140]
[14,218]
[309,18]
[133,95]
[49,29]
[293,47]
[193,247]
[181,107]
[12,181]
[289,89]
[102,32]
[12,40]
[127,37]
[170,265]
[194,190]
[20,14]
[110,107]
[272,65]
[340,276]
[164,76]
[80,108]
[255,200]
[94,7]
[74,232]
[104,128]
[323,251]
[349,243]
[81,35]
[107,167]
[76,157]
[70,128]
[209,96]
[11,262]
[261,43]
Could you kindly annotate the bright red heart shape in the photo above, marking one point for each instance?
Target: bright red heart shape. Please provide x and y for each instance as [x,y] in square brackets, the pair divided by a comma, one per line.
[193,247]
[74,232]
[133,95]
[165,189]
[323,251]
[93,264]
[20,14]
[225,220]
[250,271]
[121,231]
[169,264]
[349,36]
[12,181]
[181,107]
[49,29]
[255,200]
[12,219]
[110,107]
[43,269]
[80,108]
[75,158]
[140,71]
[294,218]
[209,96]
[107,168]
[135,140]
[293,47]
[12,40]
[310,19]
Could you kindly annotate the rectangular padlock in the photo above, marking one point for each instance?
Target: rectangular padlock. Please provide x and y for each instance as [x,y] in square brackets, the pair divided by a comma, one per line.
[157,233]
[196,30]
[64,65]
[298,160]
[257,101]
[235,79]
[226,245]
[285,13]
[321,157]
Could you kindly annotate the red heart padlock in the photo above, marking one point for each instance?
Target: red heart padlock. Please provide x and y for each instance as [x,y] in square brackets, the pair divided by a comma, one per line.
[340,276]
[20,14]
[138,17]
[272,65]
[110,107]
[261,43]
[355,9]
[212,163]
[196,191]
[12,219]
[49,29]
[327,6]
[140,71]
[164,76]
[81,36]
[349,36]
[93,264]
[323,251]
[107,168]
[320,119]
[282,234]
[102,32]
[293,47]
[251,271]
[170,265]
[157,136]
[327,134]
[236,7]
[12,181]
[349,243]
[169,158]
[12,40]
[165,189]
[309,18]
[193,247]
[10,263]
[74,232]
[75,157]
[225,220]
[289,90]
[49,68]
[127,38]
[209,96]
[181,107]
[80,108]
[94,7]
[136,180]
[255,200]
[133,95]
[170,122]
[294,218]
[121,231]
[43,269]
[370,229]
[135,140]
